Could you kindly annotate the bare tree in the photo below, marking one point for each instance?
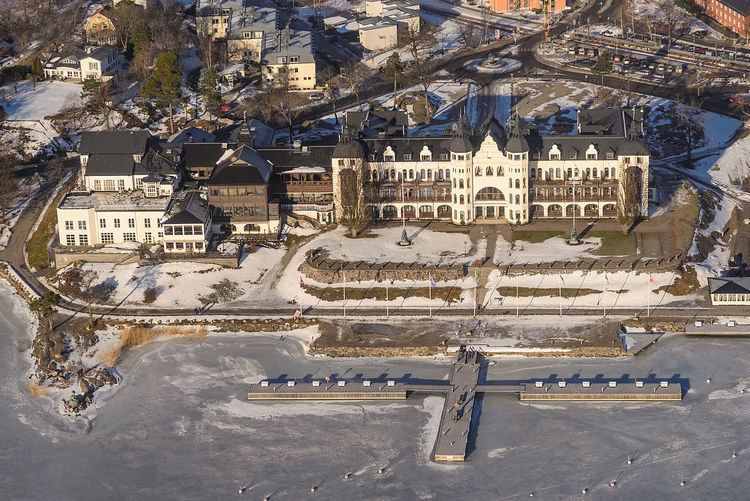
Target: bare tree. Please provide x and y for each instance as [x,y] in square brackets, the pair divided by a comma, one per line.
[469,35]
[630,203]
[351,76]
[686,126]
[421,69]
[356,196]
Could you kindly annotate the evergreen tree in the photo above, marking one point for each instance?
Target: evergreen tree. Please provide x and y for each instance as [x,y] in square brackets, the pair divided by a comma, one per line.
[36,68]
[164,83]
[210,90]
[141,35]
[394,71]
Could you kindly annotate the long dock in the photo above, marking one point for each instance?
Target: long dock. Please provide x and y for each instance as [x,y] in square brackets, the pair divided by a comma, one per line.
[455,423]
[460,393]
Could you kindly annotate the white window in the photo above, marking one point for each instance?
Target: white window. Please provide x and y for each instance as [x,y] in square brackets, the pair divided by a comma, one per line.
[68,225]
[83,239]
[82,225]
[147,223]
[117,223]
[121,185]
[108,238]
[70,239]
[102,223]
[128,237]
[131,223]
[149,238]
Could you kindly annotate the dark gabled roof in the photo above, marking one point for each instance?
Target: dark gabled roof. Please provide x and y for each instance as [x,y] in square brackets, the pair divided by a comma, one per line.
[203,154]
[192,135]
[289,158]
[192,209]
[411,145]
[242,166]
[111,142]
[516,141]
[601,121]
[153,162]
[110,165]
[729,285]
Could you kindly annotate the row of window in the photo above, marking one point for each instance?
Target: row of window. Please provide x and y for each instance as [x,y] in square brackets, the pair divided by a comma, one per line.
[109,185]
[71,240]
[69,225]
[184,246]
[730,298]
[183,230]
[410,175]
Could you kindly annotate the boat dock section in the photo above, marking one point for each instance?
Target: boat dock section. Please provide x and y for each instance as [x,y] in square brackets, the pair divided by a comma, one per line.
[455,422]
[601,391]
[327,390]
[728,329]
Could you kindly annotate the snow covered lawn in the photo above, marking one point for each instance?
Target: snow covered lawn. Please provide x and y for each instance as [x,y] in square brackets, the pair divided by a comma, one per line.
[48,99]
[552,249]
[382,245]
[623,289]
[181,284]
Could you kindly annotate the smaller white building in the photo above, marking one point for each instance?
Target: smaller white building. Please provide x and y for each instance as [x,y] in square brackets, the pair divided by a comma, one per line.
[98,63]
[729,291]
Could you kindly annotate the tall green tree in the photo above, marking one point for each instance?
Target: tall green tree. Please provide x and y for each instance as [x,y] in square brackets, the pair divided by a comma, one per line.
[36,68]
[141,35]
[210,90]
[163,85]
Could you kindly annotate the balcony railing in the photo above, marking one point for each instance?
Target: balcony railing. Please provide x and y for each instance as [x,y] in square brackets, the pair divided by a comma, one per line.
[307,207]
[414,198]
[569,198]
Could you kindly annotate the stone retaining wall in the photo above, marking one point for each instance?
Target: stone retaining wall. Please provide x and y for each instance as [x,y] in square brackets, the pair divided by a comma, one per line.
[63,259]
[318,267]
[611,264]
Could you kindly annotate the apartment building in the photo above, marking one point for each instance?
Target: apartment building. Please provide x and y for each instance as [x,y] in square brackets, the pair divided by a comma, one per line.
[289,61]
[247,40]
[388,23]
[732,14]
[216,18]
[550,6]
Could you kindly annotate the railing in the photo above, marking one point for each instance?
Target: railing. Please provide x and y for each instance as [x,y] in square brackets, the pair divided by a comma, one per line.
[307,207]
[569,198]
[406,199]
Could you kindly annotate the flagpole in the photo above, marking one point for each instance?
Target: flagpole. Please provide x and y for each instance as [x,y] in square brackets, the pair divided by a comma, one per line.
[476,284]
[387,314]
[648,296]
[516,296]
[301,309]
[344,274]
[604,297]
[430,293]
[559,293]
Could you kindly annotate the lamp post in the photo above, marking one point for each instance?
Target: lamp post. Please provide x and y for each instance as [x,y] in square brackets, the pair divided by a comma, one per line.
[573,234]
[404,242]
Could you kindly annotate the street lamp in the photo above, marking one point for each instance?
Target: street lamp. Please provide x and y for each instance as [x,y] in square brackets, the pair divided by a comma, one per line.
[404,242]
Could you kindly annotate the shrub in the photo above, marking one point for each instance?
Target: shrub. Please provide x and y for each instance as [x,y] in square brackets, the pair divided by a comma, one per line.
[149,295]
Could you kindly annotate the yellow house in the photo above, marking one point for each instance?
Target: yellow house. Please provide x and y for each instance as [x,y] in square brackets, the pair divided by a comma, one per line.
[101,28]
[289,61]
[216,18]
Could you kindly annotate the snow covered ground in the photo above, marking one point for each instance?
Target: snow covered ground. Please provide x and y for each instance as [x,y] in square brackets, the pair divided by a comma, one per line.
[381,245]
[35,104]
[181,284]
[24,189]
[552,249]
[623,289]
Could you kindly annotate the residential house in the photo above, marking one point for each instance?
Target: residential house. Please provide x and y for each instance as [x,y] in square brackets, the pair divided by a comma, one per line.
[101,27]
[247,39]
[289,61]
[378,34]
[98,63]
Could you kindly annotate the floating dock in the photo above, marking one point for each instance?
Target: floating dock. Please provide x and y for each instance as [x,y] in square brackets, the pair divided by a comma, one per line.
[327,390]
[728,329]
[598,391]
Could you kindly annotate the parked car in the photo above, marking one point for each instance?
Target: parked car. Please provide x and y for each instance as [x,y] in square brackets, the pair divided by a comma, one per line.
[316,97]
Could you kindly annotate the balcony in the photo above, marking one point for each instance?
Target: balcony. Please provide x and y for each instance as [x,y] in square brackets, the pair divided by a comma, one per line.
[307,207]
[414,198]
